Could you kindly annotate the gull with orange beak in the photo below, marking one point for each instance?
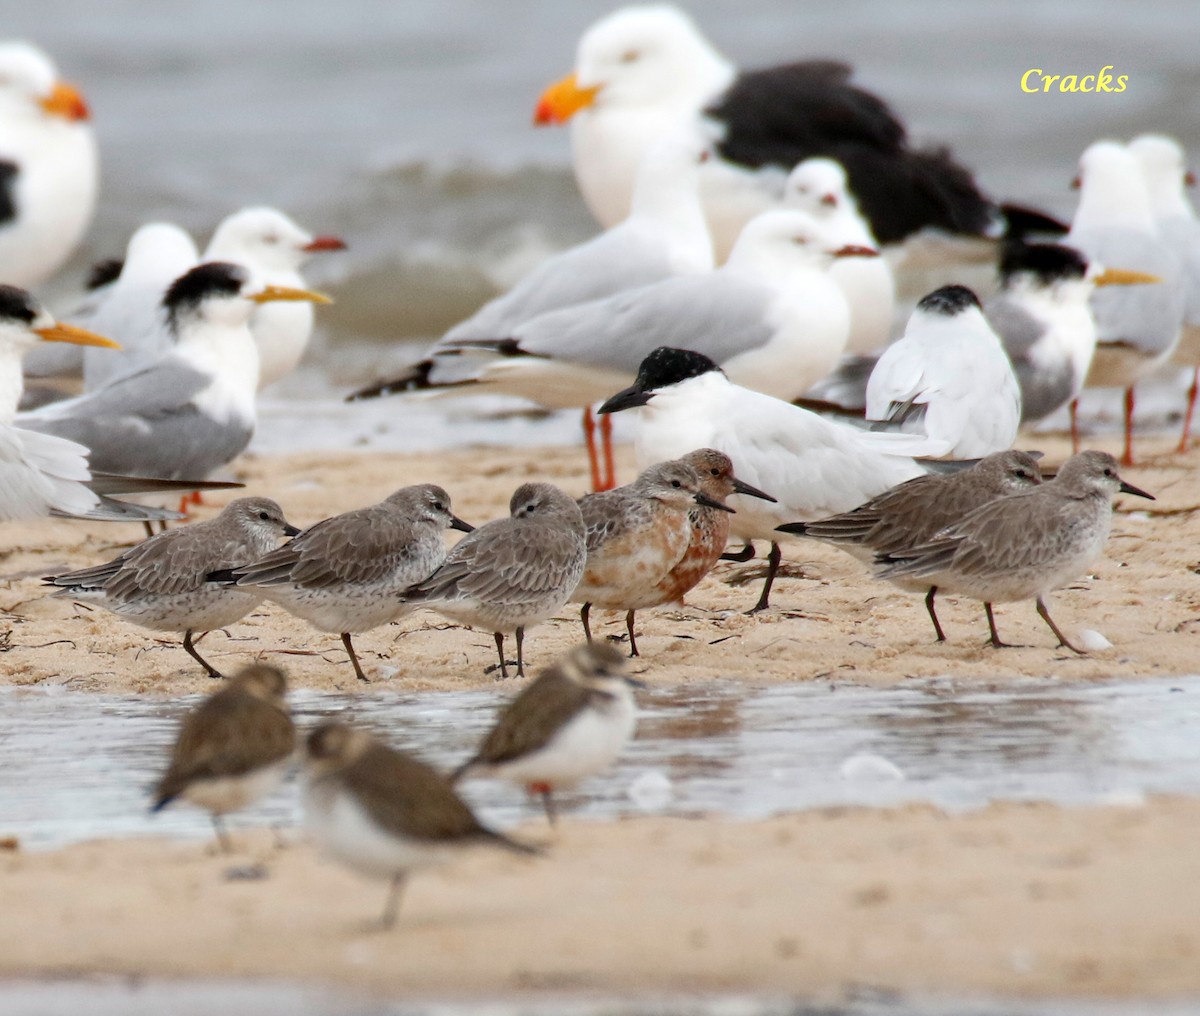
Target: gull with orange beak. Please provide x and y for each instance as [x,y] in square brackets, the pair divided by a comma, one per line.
[192,410]
[48,166]
[41,474]
[771,316]
[646,69]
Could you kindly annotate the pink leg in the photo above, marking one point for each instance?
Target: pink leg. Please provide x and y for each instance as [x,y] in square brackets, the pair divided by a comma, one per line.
[1127,458]
[1075,426]
[610,467]
[1191,408]
[589,434]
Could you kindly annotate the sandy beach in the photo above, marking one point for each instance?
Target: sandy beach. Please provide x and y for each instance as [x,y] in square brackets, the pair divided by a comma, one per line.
[1014,899]
[827,617]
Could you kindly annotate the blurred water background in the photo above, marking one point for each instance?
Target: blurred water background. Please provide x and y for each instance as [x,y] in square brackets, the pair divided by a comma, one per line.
[406,128]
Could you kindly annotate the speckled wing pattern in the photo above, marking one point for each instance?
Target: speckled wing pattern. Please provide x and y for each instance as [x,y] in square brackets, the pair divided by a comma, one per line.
[510,560]
[998,538]
[176,561]
[611,512]
[363,546]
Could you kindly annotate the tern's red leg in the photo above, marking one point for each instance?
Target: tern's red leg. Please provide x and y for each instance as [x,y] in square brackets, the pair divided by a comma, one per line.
[589,434]
[1127,458]
[610,468]
[1191,408]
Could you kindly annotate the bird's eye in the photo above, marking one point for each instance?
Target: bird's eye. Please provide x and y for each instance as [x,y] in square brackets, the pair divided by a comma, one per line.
[264,516]
[271,238]
[704,156]
[676,484]
[438,506]
[714,472]
[630,55]
[1109,472]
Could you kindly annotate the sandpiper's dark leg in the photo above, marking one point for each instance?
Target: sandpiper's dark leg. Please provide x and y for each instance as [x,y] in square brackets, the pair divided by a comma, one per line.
[1062,639]
[773,560]
[149,528]
[499,636]
[520,652]
[222,837]
[632,638]
[583,616]
[190,648]
[391,908]
[744,554]
[929,598]
[358,671]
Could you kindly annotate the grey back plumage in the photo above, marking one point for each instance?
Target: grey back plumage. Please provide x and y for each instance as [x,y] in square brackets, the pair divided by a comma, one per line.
[399,538]
[179,560]
[911,513]
[614,512]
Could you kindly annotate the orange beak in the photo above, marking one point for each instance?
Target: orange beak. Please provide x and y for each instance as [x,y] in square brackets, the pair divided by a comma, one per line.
[65,101]
[325,243]
[562,100]
[59,332]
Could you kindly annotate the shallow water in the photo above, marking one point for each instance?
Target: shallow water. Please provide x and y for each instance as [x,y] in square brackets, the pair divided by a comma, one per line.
[270,998]
[75,766]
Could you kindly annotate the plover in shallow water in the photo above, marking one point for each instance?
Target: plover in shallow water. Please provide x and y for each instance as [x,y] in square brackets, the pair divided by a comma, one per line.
[1022,546]
[345,574]
[162,583]
[915,511]
[385,813]
[511,573]
[233,748]
[571,722]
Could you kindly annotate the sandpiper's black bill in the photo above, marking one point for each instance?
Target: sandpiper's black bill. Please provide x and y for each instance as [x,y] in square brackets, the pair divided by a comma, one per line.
[709,502]
[745,488]
[460,525]
[290,530]
[1129,488]
[626,398]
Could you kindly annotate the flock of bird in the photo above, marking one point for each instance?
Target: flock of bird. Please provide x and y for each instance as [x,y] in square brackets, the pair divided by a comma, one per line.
[739,300]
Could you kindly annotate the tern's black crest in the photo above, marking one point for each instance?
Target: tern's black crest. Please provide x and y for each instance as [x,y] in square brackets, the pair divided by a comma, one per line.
[8,185]
[16,305]
[103,272]
[948,300]
[668,366]
[215,278]
[1049,262]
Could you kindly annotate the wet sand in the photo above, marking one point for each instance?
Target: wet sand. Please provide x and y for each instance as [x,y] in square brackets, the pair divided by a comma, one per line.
[1014,899]
[828,616]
